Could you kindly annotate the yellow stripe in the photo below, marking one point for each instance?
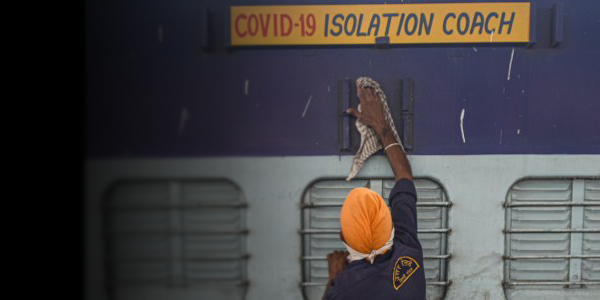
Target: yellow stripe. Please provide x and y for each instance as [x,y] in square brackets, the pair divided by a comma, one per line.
[402,23]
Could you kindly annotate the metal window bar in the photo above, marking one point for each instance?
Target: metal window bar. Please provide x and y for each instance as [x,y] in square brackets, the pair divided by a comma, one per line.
[547,203]
[558,230]
[515,257]
[199,258]
[330,231]
[577,203]
[566,283]
[442,283]
[171,204]
[177,206]
[446,256]
[419,204]
[181,232]
[130,283]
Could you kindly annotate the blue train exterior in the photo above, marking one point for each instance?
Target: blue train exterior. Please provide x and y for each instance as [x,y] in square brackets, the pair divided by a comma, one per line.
[167,99]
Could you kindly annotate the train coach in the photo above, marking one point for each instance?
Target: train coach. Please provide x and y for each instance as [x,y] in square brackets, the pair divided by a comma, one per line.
[216,150]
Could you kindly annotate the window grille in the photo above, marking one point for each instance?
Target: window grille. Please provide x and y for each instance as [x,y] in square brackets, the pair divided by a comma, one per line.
[321,226]
[175,234]
[553,234]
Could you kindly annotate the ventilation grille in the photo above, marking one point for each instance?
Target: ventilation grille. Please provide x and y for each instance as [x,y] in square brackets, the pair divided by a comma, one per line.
[175,234]
[553,233]
[321,228]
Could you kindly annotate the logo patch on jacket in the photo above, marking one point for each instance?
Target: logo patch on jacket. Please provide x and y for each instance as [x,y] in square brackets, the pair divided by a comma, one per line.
[404,268]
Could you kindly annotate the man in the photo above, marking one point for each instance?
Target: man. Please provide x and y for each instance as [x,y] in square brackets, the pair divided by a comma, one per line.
[384,261]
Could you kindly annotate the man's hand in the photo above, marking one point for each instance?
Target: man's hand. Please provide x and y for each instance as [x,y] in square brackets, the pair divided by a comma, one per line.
[372,115]
[337,262]
[372,111]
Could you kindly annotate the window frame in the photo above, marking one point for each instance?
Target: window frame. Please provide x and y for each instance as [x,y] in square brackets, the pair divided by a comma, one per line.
[577,205]
[445,204]
[110,281]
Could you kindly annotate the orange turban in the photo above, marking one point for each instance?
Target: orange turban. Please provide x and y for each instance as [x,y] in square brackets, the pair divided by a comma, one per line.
[366,220]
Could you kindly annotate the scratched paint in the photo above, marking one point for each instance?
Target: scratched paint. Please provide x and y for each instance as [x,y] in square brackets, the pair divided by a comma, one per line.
[246,85]
[307,104]
[512,54]
[183,119]
[462,127]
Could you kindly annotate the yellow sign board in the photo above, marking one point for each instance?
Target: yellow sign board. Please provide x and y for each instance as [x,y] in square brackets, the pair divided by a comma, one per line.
[362,24]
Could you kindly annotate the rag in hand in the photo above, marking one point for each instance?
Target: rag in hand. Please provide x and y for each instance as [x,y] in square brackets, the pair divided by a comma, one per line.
[369,141]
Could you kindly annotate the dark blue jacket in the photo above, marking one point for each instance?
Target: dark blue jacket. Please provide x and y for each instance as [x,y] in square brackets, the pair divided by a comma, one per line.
[398,273]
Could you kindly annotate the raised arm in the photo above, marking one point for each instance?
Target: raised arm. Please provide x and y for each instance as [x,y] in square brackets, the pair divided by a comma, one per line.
[403,198]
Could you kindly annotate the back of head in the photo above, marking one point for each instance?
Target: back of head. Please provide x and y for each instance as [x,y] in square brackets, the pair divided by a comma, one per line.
[366,220]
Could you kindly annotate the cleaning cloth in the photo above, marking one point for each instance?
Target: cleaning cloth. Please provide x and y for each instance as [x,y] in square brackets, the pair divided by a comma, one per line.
[369,141]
